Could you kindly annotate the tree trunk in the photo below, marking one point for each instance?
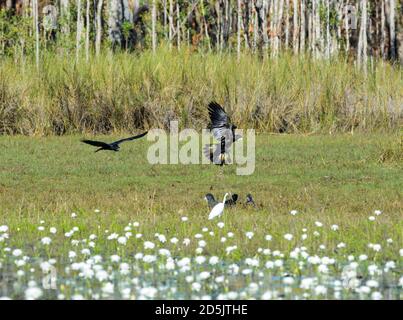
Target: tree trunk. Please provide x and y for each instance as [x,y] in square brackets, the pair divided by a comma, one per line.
[78,31]
[239,30]
[392,29]
[178,31]
[171,22]
[36,28]
[303,28]
[287,23]
[295,32]
[99,28]
[87,32]
[153,25]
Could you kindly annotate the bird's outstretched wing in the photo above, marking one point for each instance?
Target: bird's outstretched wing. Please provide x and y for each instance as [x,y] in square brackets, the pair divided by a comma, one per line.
[130,138]
[220,122]
[96,143]
[218,116]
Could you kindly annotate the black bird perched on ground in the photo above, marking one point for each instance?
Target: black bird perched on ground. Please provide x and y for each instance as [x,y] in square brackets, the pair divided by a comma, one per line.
[210,200]
[232,202]
[114,146]
[249,200]
[224,131]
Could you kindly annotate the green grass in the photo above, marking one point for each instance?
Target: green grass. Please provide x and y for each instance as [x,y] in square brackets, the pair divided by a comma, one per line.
[334,179]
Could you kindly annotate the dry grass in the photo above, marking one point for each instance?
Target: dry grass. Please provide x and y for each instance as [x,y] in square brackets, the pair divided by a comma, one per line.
[123,92]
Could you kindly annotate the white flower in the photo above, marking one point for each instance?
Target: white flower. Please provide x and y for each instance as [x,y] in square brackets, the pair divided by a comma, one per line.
[213,260]
[3,228]
[304,236]
[97,211]
[364,289]
[252,262]
[73,215]
[46,241]
[113,236]
[293,212]
[401,252]
[249,234]
[72,254]
[372,283]
[371,218]
[200,259]
[230,249]
[322,268]
[288,236]
[223,239]
[320,290]
[108,288]
[122,240]
[341,245]
[220,225]
[138,256]
[184,219]
[162,238]
[334,227]
[170,265]
[376,295]
[174,240]
[268,237]
[45,266]
[363,257]
[86,251]
[41,228]
[149,245]
[164,252]
[377,247]
[230,234]
[204,275]
[196,286]
[205,229]
[17,252]
[199,250]
[186,241]
[378,212]
[115,258]
[202,243]
[278,263]
[390,265]
[33,293]
[184,262]
[53,230]
[318,224]
[149,258]
[268,295]
[138,235]
[198,236]
[390,240]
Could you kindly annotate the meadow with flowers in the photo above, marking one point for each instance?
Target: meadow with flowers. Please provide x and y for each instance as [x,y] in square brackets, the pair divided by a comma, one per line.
[79,225]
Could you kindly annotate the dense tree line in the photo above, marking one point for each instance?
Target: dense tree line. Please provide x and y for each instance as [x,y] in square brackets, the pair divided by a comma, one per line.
[361,29]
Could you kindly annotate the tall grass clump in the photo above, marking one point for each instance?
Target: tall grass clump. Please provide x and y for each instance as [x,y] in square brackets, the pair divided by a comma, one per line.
[124,92]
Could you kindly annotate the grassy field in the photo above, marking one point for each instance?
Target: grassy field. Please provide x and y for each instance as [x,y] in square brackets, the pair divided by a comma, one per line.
[331,179]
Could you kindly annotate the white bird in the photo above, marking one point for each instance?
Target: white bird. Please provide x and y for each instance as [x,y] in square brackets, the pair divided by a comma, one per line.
[218,209]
